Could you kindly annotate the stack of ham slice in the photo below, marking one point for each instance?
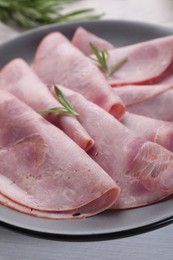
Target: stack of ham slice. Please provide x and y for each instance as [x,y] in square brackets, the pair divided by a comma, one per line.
[64,167]
[140,168]
[43,172]
[18,78]
[58,61]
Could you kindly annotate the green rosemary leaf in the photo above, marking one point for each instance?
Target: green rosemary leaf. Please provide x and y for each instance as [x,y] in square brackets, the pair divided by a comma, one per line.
[66,106]
[101,60]
[54,110]
[64,101]
[101,56]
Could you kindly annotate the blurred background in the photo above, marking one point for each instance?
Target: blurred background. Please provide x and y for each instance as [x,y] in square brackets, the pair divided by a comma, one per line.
[19,15]
[153,11]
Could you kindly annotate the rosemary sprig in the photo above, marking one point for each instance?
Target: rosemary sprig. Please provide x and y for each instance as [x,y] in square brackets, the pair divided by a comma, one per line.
[31,13]
[101,56]
[101,60]
[65,109]
[64,101]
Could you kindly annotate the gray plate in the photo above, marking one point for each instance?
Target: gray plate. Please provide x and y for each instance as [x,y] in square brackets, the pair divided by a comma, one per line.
[108,224]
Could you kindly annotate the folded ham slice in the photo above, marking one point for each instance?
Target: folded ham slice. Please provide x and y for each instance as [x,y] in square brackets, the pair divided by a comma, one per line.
[43,172]
[82,39]
[154,130]
[57,61]
[19,79]
[142,169]
[147,62]
[154,101]
[134,94]
[159,107]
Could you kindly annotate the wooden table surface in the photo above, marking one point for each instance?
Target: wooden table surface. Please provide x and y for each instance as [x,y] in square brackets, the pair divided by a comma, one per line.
[156,244]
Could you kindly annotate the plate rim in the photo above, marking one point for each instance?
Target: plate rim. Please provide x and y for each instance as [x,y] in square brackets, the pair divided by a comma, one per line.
[85,23]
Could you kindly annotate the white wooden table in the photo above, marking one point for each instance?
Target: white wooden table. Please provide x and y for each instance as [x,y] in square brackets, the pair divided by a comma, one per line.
[153,245]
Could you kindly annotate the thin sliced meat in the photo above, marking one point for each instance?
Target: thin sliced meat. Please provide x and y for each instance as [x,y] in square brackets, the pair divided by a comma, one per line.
[43,172]
[147,62]
[159,107]
[57,61]
[19,79]
[155,101]
[82,39]
[158,131]
[87,210]
[142,169]
[133,94]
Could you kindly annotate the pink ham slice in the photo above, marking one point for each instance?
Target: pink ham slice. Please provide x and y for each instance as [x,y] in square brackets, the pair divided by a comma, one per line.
[82,39]
[43,172]
[159,107]
[57,61]
[133,94]
[142,169]
[154,130]
[154,101]
[147,62]
[18,78]
[88,210]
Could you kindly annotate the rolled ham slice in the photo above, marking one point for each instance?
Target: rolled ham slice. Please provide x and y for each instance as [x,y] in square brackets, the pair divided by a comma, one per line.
[43,172]
[147,62]
[57,61]
[82,39]
[142,169]
[19,79]
[158,131]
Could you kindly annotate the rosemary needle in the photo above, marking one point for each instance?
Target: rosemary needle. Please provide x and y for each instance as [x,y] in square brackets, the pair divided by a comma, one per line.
[101,60]
[66,106]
